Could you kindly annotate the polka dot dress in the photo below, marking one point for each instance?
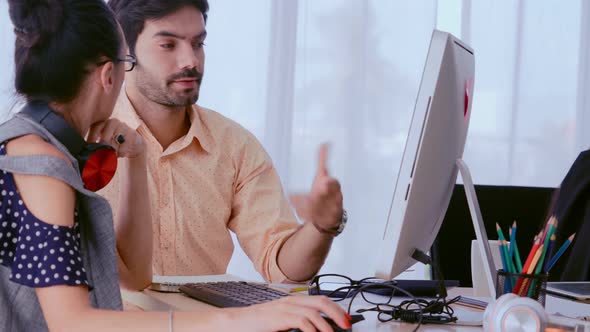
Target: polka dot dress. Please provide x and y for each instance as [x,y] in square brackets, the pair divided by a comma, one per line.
[39,254]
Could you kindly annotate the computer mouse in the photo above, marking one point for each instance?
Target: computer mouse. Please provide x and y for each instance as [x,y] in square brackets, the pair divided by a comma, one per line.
[355,319]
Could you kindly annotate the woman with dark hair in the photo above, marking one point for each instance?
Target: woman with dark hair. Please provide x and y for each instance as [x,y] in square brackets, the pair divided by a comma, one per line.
[58,259]
[571,207]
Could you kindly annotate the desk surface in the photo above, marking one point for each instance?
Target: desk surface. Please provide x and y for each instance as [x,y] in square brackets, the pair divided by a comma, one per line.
[152,300]
[156,301]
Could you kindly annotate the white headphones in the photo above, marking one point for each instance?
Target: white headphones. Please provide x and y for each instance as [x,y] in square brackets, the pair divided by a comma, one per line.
[512,313]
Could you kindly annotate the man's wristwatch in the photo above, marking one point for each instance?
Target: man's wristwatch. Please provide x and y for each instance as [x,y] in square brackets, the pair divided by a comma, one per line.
[337,230]
[343,221]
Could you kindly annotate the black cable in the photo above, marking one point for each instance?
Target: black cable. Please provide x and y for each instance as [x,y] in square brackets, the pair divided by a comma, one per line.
[415,311]
[393,288]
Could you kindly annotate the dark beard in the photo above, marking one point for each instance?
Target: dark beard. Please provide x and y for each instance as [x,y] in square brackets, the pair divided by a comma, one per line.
[148,87]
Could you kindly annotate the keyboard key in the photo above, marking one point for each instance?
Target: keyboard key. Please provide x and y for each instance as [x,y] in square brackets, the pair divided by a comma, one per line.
[231,293]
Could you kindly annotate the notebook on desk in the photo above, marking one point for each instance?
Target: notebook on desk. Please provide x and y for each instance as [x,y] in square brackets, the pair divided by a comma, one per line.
[171,284]
[576,290]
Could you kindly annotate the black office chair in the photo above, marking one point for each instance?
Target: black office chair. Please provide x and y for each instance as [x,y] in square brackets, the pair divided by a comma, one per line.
[499,204]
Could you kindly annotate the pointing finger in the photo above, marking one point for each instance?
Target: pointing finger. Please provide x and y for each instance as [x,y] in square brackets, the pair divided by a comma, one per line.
[322,168]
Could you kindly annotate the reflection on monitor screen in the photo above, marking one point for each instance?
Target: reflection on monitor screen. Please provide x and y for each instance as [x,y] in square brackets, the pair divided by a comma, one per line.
[435,141]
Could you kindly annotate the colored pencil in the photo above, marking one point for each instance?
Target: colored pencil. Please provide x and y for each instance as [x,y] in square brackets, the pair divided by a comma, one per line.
[546,245]
[532,253]
[504,254]
[514,270]
[560,252]
[516,252]
[549,252]
[503,247]
[499,231]
[504,265]
[530,270]
[541,262]
[512,234]
[550,222]
[527,264]
[509,262]
[511,267]
[535,259]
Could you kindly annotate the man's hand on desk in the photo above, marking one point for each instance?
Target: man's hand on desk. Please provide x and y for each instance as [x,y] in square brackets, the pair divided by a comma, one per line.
[322,206]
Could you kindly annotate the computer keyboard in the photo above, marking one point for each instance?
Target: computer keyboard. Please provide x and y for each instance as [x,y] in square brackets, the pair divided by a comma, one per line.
[231,293]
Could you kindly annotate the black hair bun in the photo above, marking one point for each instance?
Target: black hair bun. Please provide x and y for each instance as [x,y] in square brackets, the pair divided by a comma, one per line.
[36,21]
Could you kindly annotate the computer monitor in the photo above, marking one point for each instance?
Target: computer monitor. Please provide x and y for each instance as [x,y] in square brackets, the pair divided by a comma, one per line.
[436,140]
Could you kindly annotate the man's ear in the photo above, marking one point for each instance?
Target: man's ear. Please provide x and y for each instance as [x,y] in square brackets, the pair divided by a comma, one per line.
[106,78]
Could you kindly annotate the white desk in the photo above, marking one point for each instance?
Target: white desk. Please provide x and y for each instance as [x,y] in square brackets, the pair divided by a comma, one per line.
[151,300]
[156,301]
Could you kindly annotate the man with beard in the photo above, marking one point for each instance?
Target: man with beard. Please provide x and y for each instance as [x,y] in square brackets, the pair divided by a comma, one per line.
[207,174]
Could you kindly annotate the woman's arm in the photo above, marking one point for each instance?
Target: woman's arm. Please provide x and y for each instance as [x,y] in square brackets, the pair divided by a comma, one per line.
[133,227]
[67,308]
[133,224]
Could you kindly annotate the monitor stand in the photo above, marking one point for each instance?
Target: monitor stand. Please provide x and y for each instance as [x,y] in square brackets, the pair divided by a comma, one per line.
[479,227]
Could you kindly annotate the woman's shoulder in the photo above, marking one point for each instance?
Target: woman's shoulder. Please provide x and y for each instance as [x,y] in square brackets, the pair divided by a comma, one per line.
[47,198]
[32,144]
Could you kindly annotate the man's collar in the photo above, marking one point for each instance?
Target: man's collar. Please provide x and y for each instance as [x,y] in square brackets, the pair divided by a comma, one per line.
[126,112]
[198,130]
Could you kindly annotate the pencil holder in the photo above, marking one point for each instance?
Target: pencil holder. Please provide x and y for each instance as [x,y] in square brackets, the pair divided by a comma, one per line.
[533,286]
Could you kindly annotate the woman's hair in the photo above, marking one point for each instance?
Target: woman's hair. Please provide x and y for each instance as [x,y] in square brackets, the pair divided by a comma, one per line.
[57,41]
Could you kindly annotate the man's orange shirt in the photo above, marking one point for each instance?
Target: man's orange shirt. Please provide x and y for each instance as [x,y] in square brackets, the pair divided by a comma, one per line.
[215,179]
